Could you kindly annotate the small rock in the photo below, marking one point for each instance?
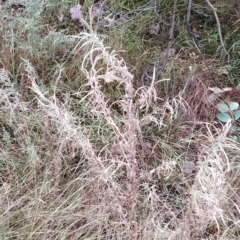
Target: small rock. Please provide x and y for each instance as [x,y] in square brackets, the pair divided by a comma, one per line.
[189,167]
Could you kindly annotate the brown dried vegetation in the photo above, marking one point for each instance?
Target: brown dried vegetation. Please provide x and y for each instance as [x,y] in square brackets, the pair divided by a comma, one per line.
[89,151]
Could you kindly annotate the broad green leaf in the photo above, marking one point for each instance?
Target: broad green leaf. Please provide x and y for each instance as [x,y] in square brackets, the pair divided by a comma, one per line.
[223,107]
[223,117]
[234,137]
[237,114]
[233,106]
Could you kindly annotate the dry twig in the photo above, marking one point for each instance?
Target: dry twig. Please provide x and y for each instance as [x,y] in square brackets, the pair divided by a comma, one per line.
[218,24]
[163,62]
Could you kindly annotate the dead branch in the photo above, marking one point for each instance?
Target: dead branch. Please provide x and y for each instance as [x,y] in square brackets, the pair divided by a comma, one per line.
[218,24]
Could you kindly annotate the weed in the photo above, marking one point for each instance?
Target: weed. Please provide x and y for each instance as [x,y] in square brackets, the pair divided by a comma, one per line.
[88,151]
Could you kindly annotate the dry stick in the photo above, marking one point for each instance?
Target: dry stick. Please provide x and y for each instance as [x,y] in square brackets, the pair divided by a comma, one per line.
[188,16]
[218,24]
[161,65]
[192,35]
[163,61]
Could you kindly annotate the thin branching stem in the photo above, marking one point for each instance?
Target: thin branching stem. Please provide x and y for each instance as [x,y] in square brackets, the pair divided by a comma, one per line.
[218,24]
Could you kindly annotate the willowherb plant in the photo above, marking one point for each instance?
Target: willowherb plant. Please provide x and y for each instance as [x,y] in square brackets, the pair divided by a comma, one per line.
[102,169]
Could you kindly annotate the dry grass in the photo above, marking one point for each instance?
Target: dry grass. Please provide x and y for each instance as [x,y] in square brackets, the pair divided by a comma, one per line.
[102,159]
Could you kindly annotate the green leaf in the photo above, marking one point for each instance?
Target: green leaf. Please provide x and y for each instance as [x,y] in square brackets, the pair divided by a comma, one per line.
[223,117]
[237,114]
[233,106]
[234,137]
[223,107]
